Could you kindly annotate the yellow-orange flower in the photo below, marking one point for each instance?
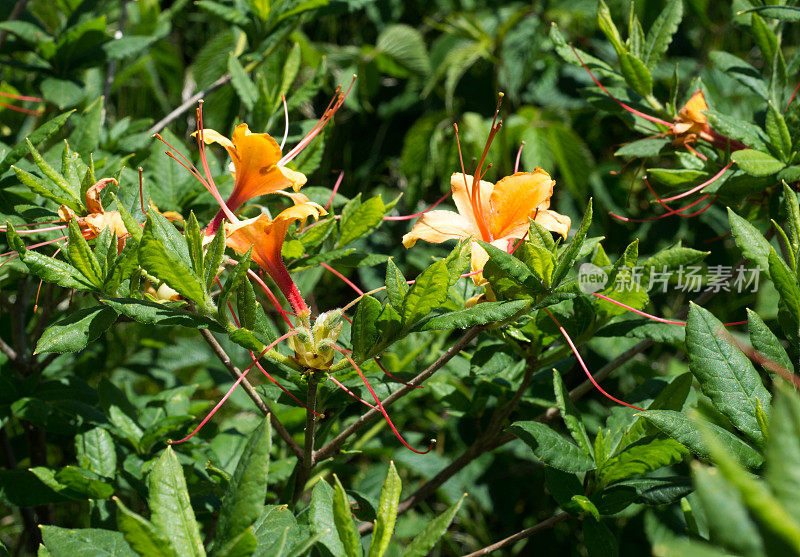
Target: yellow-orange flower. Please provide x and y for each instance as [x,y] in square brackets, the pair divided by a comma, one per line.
[256,167]
[692,124]
[97,218]
[266,237]
[494,213]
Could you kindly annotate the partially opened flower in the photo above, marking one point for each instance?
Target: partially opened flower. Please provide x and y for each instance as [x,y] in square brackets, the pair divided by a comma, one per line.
[97,218]
[266,236]
[692,124]
[257,171]
[495,213]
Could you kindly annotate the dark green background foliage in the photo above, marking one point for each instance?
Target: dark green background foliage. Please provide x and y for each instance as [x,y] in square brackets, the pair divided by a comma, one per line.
[97,375]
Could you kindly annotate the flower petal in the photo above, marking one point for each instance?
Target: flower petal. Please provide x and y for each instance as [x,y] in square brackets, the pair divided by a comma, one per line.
[694,110]
[516,198]
[555,222]
[461,186]
[438,226]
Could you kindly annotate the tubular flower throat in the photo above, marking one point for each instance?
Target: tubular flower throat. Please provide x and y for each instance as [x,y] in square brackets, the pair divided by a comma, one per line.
[691,124]
[495,213]
[266,237]
[257,168]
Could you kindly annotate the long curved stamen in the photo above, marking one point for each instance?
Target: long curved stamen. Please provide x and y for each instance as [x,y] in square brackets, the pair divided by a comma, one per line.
[519,154]
[230,391]
[351,393]
[583,365]
[204,159]
[615,99]
[696,153]
[415,215]
[281,387]
[335,104]
[14,254]
[285,121]
[37,230]
[335,189]
[653,317]
[794,94]
[475,197]
[346,280]
[695,189]
[670,210]
[384,370]
[20,109]
[20,97]
[380,405]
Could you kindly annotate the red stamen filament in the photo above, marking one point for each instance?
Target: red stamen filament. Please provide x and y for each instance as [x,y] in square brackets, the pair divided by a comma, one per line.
[271,295]
[695,189]
[20,109]
[615,99]
[653,317]
[347,281]
[384,370]
[20,97]
[380,406]
[415,215]
[233,388]
[583,365]
[519,154]
[349,392]
[335,189]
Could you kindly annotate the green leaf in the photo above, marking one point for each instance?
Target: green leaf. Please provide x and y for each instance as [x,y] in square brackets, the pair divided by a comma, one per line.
[348,534]
[364,332]
[96,453]
[736,128]
[552,448]
[729,524]
[778,133]
[242,545]
[639,459]
[396,284]
[131,45]
[274,528]
[153,313]
[247,489]
[423,542]
[234,280]
[387,513]
[74,482]
[510,267]
[754,246]
[40,135]
[54,176]
[636,74]
[539,260]
[358,219]
[782,13]
[406,47]
[75,330]
[756,163]
[45,189]
[786,284]
[171,510]
[570,415]
[242,84]
[774,518]
[140,533]
[428,292]
[81,256]
[607,26]
[480,314]
[661,32]
[320,518]
[214,256]
[783,448]
[226,13]
[764,341]
[682,429]
[725,375]
[570,254]
[792,209]
[161,260]
[69,542]
[599,540]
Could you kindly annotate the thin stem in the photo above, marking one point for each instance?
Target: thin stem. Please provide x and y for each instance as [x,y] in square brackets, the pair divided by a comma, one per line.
[308,461]
[251,392]
[527,533]
[7,350]
[368,417]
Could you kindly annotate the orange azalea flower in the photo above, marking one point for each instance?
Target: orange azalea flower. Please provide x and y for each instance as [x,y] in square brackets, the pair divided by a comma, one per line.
[266,237]
[691,124]
[98,219]
[495,213]
[257,168]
